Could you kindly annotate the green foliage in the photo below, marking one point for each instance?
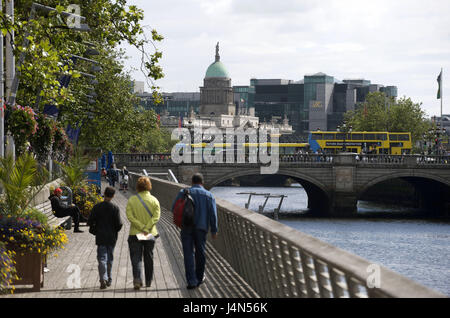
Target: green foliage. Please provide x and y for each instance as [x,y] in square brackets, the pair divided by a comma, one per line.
[36,215]
[159,141]
[50,45]
[61,148]
[380,113]
[22,124]
[73,171]
[41,141]
[21,180]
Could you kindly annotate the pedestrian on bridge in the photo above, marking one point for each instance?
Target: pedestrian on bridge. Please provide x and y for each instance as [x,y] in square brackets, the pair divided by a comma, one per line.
[193,238]
[105,218]
[143,212]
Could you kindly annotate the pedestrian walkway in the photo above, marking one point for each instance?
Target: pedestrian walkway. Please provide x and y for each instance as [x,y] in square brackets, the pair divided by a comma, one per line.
[80,256]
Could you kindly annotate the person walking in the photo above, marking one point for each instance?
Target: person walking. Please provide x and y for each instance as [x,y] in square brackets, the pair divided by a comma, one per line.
[61,210]
[143,212]
[193,238]
[105,218]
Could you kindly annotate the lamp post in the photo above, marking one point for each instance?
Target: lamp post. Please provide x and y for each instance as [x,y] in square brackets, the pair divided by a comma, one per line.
[345,129]
[436,134]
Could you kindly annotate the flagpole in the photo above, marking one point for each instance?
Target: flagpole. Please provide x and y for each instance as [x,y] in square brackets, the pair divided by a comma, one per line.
[442,122]
[442,88]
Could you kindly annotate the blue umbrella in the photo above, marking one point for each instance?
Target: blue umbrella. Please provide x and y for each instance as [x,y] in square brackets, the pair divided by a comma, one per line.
[103,161]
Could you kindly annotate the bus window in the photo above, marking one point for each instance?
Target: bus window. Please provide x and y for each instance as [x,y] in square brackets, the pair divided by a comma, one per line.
[341,136]
[357,136]
[317,136]
[381,137]
[369,137]
[328,136]
[393,137]
[403,137]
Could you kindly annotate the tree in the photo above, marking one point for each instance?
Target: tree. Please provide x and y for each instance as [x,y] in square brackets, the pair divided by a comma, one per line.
[381,113]
[112,119]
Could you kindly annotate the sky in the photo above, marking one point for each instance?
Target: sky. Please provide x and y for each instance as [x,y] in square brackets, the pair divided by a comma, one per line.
[404,43]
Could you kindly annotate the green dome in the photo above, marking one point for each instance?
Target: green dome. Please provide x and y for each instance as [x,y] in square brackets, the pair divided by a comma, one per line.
[216,69]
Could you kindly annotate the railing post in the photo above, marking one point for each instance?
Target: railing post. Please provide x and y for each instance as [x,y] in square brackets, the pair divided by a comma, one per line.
[288,267]
[268,280]
[298,273]
[323,279]
[277,266]
[336,284]
[271,263]
[308,274]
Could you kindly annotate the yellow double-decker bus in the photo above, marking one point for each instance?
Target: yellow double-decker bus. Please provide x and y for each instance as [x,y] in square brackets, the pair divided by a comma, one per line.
[361,142]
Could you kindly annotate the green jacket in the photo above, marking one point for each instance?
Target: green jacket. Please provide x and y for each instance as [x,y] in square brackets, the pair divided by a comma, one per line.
[138,216]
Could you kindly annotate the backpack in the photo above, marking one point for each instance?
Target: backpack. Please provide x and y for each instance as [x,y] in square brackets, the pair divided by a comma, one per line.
[184,210]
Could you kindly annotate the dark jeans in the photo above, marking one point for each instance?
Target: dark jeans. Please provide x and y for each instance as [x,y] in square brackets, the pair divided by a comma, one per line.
[139,250]
[194,245]
[105,257]
[112,182]
[72,211]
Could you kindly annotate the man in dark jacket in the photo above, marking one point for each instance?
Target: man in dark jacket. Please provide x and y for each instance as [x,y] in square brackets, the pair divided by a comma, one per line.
[105,216]
[61,210]
[194,239]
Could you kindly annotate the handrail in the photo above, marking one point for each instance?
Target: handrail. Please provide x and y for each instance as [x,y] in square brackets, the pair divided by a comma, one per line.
[279,261]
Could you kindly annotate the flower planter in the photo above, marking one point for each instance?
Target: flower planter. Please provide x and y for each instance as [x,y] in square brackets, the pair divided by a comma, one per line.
[30,269]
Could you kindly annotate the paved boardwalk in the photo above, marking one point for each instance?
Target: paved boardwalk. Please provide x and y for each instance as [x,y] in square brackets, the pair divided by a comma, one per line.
[168,282]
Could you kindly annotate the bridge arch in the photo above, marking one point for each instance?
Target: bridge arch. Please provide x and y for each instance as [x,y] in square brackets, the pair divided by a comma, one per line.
[399,175]
[319,196]
[431,192]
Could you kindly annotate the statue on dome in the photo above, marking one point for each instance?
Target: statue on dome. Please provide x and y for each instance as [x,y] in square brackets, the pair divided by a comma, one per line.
[217,52]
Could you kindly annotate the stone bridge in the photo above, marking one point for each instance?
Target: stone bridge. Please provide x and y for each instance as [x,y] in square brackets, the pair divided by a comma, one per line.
[333,184]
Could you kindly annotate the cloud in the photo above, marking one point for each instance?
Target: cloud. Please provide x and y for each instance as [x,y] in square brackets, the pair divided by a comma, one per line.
[403,42]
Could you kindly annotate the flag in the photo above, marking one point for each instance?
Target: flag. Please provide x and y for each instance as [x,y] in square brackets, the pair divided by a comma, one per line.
[439,80]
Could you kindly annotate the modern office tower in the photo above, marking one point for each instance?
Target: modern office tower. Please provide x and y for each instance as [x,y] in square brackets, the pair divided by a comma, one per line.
[279,99]
[319,100]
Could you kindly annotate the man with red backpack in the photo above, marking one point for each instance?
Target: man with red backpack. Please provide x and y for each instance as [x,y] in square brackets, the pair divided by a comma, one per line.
[193,236]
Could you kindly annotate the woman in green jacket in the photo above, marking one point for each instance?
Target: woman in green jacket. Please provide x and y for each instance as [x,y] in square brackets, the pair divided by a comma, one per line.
[143,212]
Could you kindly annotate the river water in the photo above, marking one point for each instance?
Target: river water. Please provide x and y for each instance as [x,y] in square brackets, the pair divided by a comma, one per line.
[416,248]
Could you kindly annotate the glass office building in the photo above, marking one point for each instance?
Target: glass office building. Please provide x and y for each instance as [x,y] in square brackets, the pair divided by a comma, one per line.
[278,98]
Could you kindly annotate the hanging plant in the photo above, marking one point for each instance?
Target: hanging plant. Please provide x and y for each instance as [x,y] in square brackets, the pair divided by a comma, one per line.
[41,141]
[21,123]
[62,148]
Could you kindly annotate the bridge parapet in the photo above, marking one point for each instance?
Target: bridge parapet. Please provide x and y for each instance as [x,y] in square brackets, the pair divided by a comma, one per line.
[339,159]
[278,261]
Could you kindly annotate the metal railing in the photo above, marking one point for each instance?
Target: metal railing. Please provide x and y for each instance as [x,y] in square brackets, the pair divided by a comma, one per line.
[142,157]
[279,261]
[163,158]
[403,159]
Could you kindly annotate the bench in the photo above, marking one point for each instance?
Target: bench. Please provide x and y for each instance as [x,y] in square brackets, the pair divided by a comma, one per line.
[46,209]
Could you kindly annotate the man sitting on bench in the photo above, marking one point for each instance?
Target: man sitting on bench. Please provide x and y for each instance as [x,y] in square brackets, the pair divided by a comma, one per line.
[61,211]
